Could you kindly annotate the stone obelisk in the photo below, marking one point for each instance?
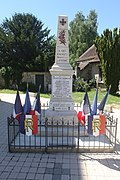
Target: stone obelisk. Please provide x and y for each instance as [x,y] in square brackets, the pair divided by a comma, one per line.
[61,103]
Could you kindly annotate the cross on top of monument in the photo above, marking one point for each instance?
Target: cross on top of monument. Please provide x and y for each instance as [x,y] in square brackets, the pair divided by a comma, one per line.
[63,22]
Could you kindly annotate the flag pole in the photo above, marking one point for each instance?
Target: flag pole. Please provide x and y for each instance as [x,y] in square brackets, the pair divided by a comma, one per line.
[17,87]
[27,85]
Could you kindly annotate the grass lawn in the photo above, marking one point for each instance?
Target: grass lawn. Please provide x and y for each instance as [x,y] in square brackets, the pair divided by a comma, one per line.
[78,96]
[8,91]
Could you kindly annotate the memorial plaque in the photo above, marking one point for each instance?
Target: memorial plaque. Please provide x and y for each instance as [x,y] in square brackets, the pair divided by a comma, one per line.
[62,86]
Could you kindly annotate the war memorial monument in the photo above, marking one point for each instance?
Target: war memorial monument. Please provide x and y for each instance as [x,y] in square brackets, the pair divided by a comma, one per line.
[61,102]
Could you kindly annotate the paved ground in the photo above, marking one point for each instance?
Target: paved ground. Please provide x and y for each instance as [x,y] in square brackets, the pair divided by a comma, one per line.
[57,166]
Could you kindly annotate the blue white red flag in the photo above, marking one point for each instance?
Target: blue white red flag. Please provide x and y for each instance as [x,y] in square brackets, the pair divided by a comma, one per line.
[85,109]
[94,104]
[96,125]
[27,105]
[36,109]
[86,104]
[103,102]
[17,110]
[81,116]
[28,124]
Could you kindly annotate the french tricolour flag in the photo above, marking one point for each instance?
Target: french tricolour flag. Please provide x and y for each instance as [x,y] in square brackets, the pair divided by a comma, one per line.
[94,104]
[28,124]
[103,102]
[85,109]
[36,109]
[27,105]
[96,124]
[17,110]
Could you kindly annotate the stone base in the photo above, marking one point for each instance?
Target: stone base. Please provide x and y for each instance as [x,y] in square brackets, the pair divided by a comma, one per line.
[61,115]
[61,104]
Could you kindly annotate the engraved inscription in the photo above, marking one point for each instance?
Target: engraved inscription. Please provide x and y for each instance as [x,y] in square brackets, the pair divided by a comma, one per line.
[62,86]
[62,55]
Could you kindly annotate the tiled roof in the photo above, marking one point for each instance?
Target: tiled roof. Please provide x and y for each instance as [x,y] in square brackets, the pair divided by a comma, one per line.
[89,55]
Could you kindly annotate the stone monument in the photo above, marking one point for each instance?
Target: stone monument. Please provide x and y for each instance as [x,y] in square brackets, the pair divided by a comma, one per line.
[61,103]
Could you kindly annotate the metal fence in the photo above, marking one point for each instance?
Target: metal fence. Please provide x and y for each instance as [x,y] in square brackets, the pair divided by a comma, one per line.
[63,135]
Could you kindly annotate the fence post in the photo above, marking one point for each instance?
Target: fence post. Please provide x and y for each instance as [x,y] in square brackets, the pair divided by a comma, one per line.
[46,134]
[116,132]
[78,133]
[8,119]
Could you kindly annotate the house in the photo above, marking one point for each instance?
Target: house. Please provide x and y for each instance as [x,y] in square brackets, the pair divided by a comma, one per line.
[38,78]
[88,65]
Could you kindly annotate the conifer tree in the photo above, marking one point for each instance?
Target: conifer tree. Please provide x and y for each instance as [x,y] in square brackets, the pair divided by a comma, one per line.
[108,48]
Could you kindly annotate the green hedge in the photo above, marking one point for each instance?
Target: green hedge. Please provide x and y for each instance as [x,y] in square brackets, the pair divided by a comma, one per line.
[80,85]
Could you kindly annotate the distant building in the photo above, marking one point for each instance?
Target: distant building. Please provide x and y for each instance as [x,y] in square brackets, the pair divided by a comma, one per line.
[38,78]
[88,65]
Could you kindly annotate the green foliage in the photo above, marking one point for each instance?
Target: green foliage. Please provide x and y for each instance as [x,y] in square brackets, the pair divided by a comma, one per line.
[81,85]
[92,83]
[25,45]
[82,33]
[108,48]
[6,75]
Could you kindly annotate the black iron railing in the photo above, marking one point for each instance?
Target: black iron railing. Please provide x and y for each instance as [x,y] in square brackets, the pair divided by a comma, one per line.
[62,135]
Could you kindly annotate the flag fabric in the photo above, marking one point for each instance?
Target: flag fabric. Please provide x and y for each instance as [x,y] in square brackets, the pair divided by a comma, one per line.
[96,125]
[28,124]
[17,110]
[103,102]
[81,115]
[85,109]
[94,104]
[86,104]
[27,105]
[36,109]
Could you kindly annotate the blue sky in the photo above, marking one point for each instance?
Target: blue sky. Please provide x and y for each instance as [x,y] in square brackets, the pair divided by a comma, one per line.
[48,11]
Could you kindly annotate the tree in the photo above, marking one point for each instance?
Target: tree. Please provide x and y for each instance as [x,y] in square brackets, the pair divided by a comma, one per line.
[5,68]
[48,58]
[82,33]
[108,48]
[25,45]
